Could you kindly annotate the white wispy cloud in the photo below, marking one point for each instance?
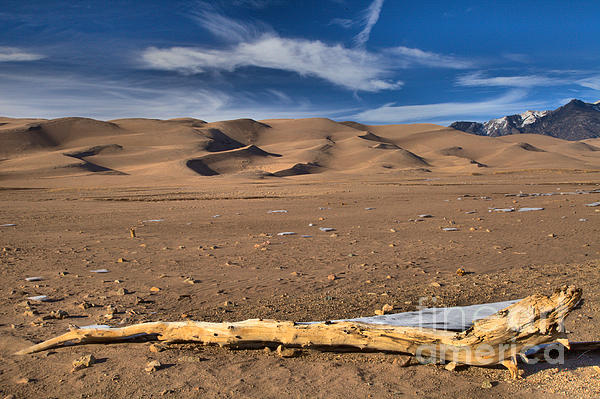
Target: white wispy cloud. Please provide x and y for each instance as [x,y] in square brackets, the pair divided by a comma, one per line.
[525,81]
[56,96]
[350,68]
[369,19]
[410,56]
[509,103]
[209,17]
[13,54]
[593,82]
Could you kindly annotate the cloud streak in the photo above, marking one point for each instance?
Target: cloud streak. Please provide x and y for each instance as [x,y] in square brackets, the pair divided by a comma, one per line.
[370,18]
[349,68]
[13,54]
[414,56]
[510,102]
[523,81]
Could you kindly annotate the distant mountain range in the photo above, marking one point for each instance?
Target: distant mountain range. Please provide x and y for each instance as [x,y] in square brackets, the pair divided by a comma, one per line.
[576,120]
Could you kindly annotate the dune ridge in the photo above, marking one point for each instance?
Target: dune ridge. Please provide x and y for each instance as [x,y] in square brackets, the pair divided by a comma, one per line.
[278,148]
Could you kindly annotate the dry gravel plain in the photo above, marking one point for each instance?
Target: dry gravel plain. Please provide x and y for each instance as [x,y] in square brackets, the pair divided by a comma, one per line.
[214,255]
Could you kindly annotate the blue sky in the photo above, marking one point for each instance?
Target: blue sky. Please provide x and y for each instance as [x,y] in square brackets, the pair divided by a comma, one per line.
[379,62]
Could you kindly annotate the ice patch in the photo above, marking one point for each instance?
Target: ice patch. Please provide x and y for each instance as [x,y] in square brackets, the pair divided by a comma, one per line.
[425,215]
[7,225]
[286,233]
[502,209]
[153,220]
[450,229]
[530,209]
[99,271]
[326,229]
[593,204]
[278,211]
[33,279]
[40,298]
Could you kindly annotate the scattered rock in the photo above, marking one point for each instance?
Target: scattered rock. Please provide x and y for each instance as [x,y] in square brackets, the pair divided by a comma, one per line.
[487,384]
[331,277]
[387,308]
[155,289]
[83,362]
[286,352]
[24,380]
[460,271]
[402,360]
[121,260]
[59,314]
[552,235]
[435,284]
[155,348]
[122,291]
[152,366]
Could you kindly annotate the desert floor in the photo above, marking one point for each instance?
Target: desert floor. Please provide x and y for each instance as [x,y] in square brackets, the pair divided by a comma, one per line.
[234,266]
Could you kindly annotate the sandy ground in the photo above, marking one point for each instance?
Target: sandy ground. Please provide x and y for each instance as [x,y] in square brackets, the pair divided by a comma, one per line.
[235,266]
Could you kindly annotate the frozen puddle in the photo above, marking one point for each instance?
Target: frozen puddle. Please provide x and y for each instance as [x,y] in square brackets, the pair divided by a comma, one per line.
[278,211]
[33,278]
[502,209]
[593,204]
[450,229]
[39,298]
[530,209]
[326,229]
[8,225]
[286,233]
[99,271]
[153,220]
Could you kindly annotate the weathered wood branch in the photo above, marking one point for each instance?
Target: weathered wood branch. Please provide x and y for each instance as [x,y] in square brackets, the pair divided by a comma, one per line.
[496,339]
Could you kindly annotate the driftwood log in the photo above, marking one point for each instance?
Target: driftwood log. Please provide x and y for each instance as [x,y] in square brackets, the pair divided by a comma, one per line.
[496,339]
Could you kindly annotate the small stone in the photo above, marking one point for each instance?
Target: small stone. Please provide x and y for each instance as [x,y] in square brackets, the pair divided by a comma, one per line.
[552,235]
[388,277]
[286,352]
[435,284]
[379,312]
[331,277]
[84,305]
[152,366]
[10,397]
[24,380]
[487,384]
[402,360]
[59,314]
[451,366]
[122,291]
[227,303]
[181,247]
[30,313]
[460,271]
[155,289]
[392,230]
[121,260]
[154,348]
[392,245]
[387,308]
[472,229]
[83,362]
[267,349]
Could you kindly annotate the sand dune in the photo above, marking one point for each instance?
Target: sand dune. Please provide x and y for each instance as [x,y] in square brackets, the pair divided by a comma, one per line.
[188,147]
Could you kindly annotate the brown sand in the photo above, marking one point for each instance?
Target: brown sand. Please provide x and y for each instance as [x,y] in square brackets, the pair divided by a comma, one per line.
[73,213]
